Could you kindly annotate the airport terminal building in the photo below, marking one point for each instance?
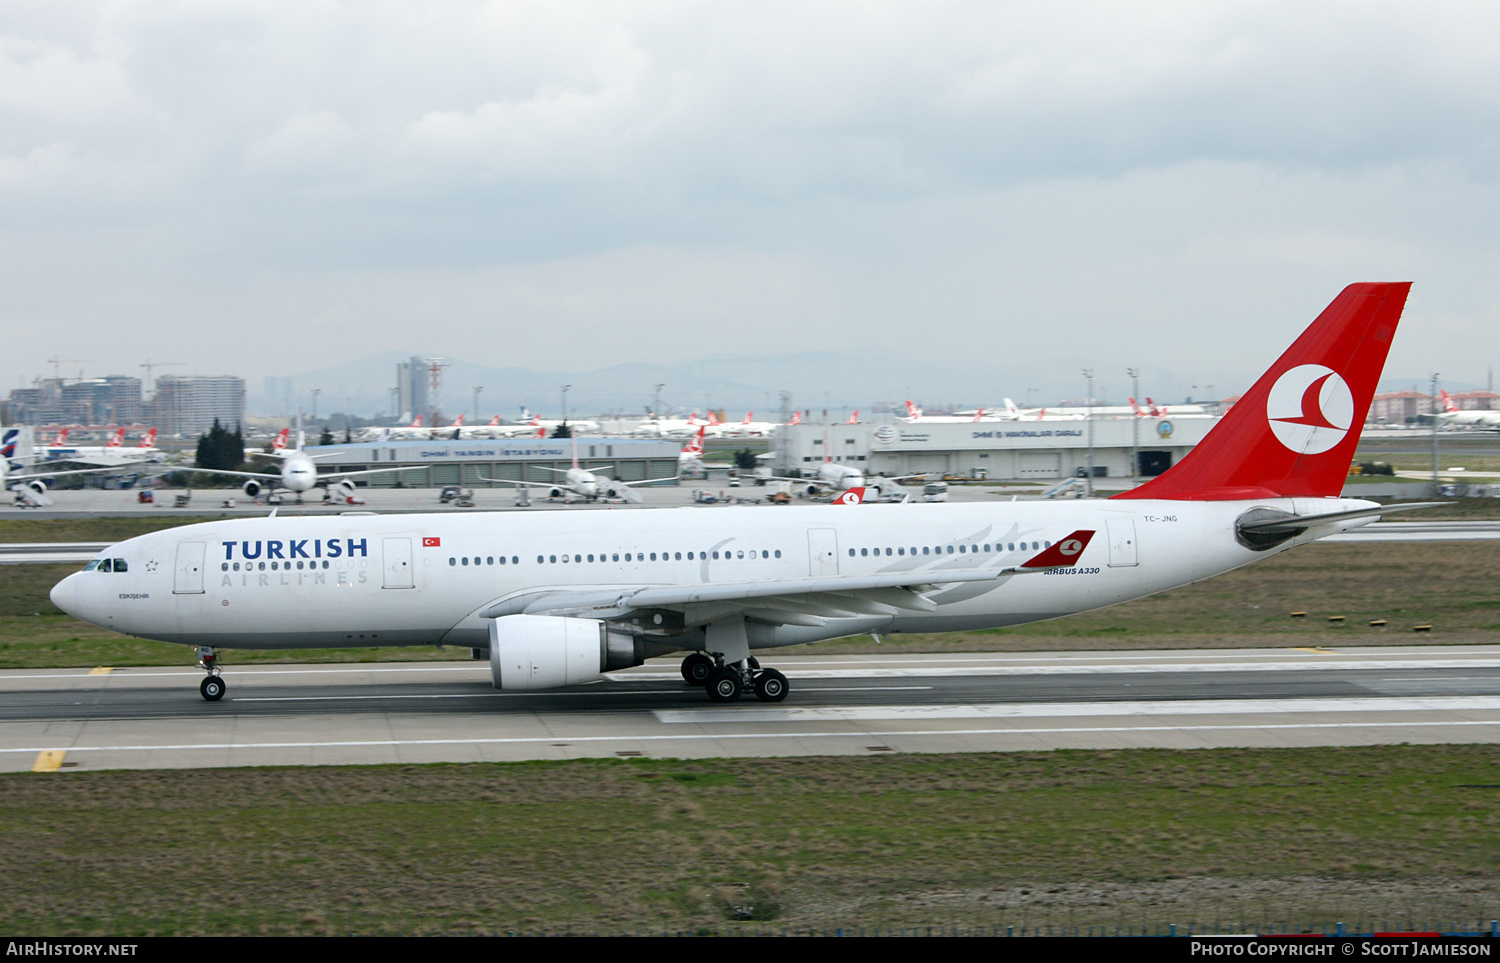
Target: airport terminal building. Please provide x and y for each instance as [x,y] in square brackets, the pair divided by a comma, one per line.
[469,463]
[995,450]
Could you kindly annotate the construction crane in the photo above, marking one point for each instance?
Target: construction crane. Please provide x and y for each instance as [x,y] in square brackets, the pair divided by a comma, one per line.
[57,364]
[150,365]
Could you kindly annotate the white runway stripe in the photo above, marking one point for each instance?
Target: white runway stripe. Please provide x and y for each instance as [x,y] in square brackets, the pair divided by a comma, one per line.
[720,737]
[974,671]
[1043,710]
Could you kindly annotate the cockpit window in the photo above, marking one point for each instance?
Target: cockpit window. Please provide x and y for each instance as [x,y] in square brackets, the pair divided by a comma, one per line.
[92,565]
[120,565]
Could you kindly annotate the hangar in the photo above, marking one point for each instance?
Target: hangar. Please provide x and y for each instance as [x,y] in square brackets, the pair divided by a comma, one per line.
[468,463]
[997,450]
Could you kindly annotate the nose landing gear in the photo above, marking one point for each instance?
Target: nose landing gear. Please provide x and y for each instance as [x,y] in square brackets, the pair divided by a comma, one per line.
[213,686]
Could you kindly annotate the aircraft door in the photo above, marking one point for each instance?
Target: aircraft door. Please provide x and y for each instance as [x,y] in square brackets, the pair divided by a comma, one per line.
[822,551]
[1121,542]
[396,557]
[188,577]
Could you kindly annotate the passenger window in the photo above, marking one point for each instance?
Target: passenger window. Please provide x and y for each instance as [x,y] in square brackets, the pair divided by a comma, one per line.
[653,556]
[591,558]
[578,558]
[679,556]
[900,551]
[950,549]
[466,560]
[539,560]
[617,556]
[553,559]
[739,554]
[851,553]
[778,553]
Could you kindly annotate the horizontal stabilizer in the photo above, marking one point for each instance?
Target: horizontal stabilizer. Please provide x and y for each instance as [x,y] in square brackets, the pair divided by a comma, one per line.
[1288,524]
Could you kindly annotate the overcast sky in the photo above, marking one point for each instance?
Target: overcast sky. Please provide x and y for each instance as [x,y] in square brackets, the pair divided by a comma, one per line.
[271,187]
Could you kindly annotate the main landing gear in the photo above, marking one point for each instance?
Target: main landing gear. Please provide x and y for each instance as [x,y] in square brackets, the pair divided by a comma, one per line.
[213,686]
[726,682]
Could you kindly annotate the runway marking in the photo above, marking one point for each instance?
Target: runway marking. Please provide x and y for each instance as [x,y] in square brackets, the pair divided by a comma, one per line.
[1187,707]
[720,737]
[1318,651]
[100,670]
[1158,668]
[686,690]
[48,760]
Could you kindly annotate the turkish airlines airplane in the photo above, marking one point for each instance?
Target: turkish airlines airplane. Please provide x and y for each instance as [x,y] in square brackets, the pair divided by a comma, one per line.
[114,453]
[297,473]
[1452,414]
[589,484]
[559,599]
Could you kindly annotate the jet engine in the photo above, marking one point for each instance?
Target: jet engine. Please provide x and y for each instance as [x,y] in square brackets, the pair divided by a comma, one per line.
[38,486]
[557,492]
[548,651]
[251,488]
[810,490]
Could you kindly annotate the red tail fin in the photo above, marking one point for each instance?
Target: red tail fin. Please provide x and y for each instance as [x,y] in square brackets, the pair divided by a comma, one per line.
[1294,432]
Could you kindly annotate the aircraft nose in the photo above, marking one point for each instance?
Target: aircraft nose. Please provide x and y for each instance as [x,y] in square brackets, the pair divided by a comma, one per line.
[63,594]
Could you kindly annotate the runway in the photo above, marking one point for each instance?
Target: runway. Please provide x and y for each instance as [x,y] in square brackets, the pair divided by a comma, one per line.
[65,720]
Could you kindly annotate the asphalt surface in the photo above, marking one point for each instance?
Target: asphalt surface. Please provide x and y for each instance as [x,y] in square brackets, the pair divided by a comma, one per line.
[432,712]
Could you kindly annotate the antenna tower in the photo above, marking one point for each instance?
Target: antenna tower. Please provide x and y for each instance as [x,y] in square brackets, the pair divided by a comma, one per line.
[435,368]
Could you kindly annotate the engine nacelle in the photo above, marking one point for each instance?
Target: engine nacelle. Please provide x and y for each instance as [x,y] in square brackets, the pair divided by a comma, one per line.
[38,486]
[557,493]
[251,488]
[341,491]
[811,490]
[549,651]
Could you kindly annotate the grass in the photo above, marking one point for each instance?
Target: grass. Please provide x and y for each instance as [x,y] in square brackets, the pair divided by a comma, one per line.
[1453,588]
[1285,836]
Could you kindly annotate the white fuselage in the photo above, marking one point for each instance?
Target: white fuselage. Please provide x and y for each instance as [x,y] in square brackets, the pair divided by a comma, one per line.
[422,579]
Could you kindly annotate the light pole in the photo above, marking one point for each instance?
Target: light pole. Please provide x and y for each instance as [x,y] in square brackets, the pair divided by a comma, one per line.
[1432,406]
[565,402]
[1135,424]
[477,390]
[1088,374]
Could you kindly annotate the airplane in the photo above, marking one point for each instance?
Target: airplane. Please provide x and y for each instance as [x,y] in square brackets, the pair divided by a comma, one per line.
[691,456]
[112,454]
[297,473]
[1452,414]
[28,484]
[561,599]
[588,484]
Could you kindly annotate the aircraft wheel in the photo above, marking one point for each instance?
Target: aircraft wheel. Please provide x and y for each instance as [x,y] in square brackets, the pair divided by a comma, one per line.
[696,669]
[754,664]
[212,688]
[770,686]
[724,685]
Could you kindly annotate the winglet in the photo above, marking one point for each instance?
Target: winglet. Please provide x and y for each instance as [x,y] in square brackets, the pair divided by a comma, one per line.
[1063,553]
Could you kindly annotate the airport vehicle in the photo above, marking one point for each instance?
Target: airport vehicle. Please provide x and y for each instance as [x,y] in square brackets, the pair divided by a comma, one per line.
[935,492]
[561,598]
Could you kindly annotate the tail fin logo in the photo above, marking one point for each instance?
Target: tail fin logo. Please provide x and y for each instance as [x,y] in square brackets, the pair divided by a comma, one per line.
[853,496]
[1310,409]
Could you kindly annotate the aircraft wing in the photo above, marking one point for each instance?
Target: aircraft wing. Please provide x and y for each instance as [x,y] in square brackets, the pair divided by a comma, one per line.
[220,471]
[72,471]
[799,601]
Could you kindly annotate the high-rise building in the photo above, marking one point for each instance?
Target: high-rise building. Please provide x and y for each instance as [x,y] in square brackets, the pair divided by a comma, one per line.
[188,405]
[411,382]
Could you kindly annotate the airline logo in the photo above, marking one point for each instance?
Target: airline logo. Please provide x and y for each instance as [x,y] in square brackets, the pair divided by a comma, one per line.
[796,419]
[279,442]
[1448,403]
[1065,552]
[854,496]
[854,418]
[148,440]
[61,440]
[1310,409]
[116,440]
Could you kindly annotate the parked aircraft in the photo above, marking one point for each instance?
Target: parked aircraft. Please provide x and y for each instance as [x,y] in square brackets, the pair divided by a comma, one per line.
[588,484]
[559,599]
[114,453]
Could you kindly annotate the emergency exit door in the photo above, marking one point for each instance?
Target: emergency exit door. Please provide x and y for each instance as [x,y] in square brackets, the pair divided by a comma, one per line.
[188,577]
[822,551]
[1121,542]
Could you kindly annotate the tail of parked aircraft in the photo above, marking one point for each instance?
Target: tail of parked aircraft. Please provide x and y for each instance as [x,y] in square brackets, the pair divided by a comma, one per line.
[796,418]
[148,440]
[912,411]
[277,444]
[979,415]
[61,440]
[1448,403]
[457,422]
[748,416]
[117,439]
[854,418]
[1294,432]
[695,445]
[495,420]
